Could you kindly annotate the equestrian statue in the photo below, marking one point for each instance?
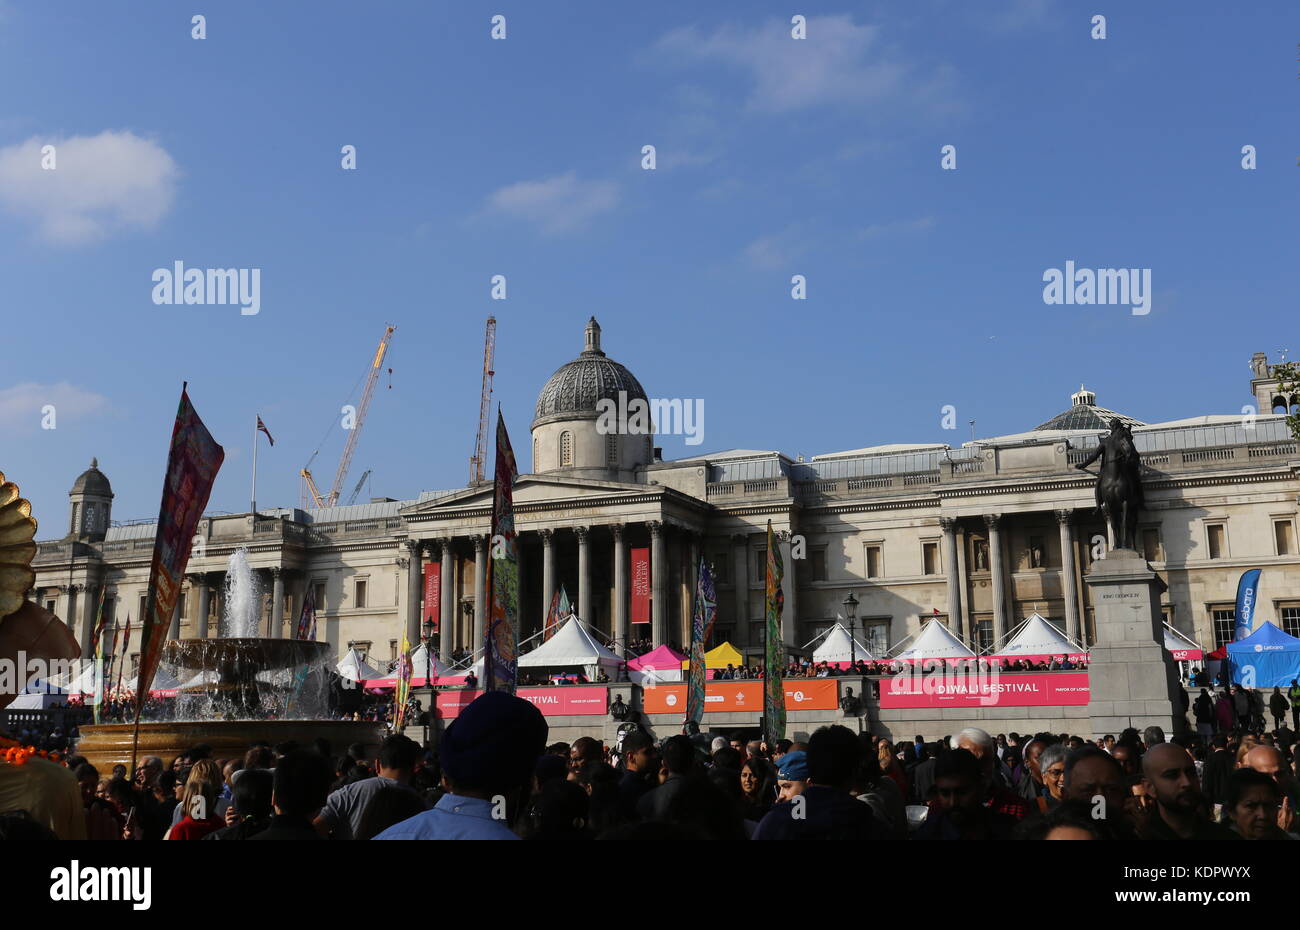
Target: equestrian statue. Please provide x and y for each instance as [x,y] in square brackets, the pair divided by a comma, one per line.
[1119,483]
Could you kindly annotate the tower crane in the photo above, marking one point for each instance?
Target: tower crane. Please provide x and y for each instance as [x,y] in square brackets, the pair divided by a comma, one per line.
[479,458]
[360,483]
[350,447]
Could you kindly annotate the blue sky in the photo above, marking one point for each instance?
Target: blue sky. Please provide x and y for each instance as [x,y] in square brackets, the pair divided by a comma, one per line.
[521,157]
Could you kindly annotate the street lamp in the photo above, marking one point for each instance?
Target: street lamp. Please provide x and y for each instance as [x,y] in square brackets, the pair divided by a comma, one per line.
[851,611]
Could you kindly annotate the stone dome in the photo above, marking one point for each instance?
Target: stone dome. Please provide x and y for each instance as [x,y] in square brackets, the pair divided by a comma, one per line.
[576,387]
[92,481]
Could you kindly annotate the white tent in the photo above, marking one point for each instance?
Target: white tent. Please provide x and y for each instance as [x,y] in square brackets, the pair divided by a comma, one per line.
[935,641]
[354,667]
[39,695]
[839,646]
[1180,642]
[572,644]
[420,664]
[161,682]
[1037,638]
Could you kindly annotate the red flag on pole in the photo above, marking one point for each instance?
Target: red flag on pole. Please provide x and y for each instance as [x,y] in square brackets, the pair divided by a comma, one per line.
[192,465]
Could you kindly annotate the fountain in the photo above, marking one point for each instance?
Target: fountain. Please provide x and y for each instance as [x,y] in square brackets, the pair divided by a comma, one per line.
[235,689]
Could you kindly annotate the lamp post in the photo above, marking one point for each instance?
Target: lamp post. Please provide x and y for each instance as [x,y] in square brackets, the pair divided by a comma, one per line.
[851,611]
[427,639]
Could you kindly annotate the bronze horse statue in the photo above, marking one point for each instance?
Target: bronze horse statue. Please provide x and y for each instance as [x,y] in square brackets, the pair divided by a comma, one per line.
[1119,483]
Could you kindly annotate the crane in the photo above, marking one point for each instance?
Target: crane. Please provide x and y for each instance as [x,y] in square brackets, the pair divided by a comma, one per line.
[357,489]
[350,448]
[479,458]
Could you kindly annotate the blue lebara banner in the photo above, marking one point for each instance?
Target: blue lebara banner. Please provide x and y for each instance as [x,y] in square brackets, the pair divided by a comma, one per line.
[1247,593]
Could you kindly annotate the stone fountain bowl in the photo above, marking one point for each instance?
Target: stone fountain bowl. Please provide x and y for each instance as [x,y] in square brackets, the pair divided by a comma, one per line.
[238,659]
[108,744]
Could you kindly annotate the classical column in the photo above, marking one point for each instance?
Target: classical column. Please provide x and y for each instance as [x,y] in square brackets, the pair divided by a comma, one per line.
[954,574]
[277,604]
[412,547]
[205,606]
[87,606]
[548,571]
[741,541]
[992,521]
[480,591]
[584,572]
[447,610]
[789,611]
[620,588]
[692,584]
[1067,573]
[658,583]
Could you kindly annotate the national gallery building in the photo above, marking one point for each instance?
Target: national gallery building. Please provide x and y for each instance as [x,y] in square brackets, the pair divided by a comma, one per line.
[982,535]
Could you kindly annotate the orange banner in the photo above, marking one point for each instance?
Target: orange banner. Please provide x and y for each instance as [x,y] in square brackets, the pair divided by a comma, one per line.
[742,696]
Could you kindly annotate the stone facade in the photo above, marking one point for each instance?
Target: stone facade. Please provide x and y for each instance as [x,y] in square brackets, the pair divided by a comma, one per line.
[983,534]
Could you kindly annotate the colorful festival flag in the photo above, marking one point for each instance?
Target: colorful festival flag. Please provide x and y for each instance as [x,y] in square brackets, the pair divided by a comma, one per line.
[403,682]
[773,683]
[99,657]
[706,608]
[559,612]
[307,618]
[501,632]
[192,465]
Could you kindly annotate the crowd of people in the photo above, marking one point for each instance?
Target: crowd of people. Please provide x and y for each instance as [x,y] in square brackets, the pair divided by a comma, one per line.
[494,776]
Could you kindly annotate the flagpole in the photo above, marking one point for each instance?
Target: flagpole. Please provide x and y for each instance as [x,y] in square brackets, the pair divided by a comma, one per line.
[253,510]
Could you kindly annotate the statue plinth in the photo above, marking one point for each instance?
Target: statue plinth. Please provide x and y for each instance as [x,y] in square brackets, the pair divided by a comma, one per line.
[1132,678]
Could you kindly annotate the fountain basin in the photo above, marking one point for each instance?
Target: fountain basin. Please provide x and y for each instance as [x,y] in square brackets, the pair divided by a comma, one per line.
[108,744]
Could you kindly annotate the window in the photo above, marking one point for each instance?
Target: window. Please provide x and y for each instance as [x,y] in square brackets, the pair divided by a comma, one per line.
[983,635]
[611,449]
[1037,552]
[392,648]
[144,605]
[1151,549]
[720,562]
[874,569]
[566,449]
[817,558]
[1216,536]
[875,636]
[760,567]
[1225,623]
[52,606]
[1289,614]
[930,558]
[320,596]
[1167,614]
[536,464]
[1284,535]
[362,646]
[360,599]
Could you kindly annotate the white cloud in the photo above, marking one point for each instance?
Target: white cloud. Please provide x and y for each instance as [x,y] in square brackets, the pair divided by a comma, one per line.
[557,205]
[839,62]
[21,405]
[115,180]
[777,250]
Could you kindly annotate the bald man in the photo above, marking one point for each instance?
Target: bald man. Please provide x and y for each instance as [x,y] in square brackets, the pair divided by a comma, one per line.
[1169,777]
[1269,761]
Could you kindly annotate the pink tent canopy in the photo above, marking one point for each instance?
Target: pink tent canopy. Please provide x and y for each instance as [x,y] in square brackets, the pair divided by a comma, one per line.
[665,657]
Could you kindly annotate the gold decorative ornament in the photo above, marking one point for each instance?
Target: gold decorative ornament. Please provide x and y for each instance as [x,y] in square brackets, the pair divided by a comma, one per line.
[17,548]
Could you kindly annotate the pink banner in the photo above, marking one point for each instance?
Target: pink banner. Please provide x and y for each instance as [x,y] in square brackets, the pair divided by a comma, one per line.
[640,586]
[433,593]
[560,701]
[1007,689]
[1187,655]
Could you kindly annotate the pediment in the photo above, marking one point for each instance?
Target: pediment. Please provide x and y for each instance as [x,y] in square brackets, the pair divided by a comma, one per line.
[532,489]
